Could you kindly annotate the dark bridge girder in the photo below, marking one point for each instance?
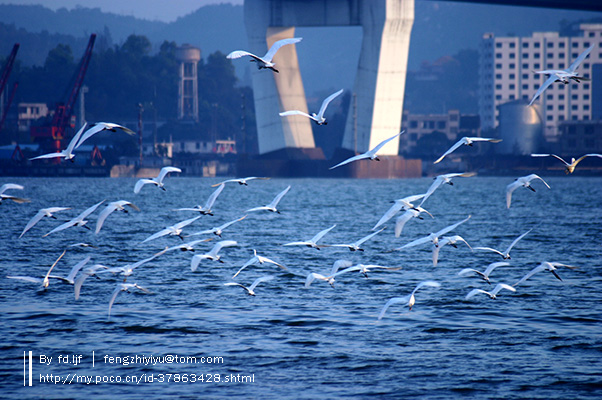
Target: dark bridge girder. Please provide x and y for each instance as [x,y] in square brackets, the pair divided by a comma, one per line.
[586,5]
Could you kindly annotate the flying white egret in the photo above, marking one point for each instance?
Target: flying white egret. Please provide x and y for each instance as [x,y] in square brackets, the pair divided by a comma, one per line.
[9,186]
[563,75]
[441,179]
[240,181]
[523,181]
[493,293]
[272,206]
[485,274]
[506,254]
[467,141]
[451,240]
[398,205]
[85,274]
[433,237]
[80,220]
[189,246]
[112,206]
[330,277]
[545,266]
[44,282]
[250,289]
[158,181]
[212,255]
[365,268]
[313,242]
[206,209]
[67,154]
[264,62]
[175,230]
[408,300]
[44,212]
[70,279]
[370,154]
[319,117]
[128,269]
[355,246]
[401,221]
[218,230]
[124,287]
[103,126]
[570,167]
[257,259]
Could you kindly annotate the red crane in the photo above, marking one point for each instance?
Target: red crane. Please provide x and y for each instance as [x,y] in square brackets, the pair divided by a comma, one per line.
[4,79]
[8,67]
[63,111]
[11,96]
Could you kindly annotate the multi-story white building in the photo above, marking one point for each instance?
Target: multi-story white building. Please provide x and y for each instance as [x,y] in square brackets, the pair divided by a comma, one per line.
[507,66]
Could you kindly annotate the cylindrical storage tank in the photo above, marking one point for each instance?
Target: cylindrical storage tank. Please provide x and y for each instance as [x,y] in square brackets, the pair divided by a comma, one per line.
[520,128]
[188,53]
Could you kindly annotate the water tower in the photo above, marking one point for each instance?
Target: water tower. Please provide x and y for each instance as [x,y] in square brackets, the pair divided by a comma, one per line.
[188,88]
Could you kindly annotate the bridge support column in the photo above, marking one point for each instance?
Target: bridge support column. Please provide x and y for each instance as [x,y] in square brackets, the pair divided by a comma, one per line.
[381,74]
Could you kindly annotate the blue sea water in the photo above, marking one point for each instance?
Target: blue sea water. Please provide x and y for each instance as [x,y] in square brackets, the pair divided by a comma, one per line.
[544,341]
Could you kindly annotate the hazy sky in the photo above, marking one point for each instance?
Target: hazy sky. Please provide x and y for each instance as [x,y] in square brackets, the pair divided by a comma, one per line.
[162,10]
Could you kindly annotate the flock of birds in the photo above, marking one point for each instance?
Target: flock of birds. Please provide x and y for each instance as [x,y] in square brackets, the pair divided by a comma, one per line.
[408,208]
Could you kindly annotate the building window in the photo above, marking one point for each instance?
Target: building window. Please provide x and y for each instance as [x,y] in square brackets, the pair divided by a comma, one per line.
[560,55]
[525,55]
[561,117]
[525,86]
[525,45]
[574,97]
[550,65]
[512,45]
[512,76]
[550,55]
[550,96]
[561,45]
[525,97]
[512,56]
[498,55]
[586,44]
[498,86]
[561,107]
[512,97]
[549,107]
[560,97]
[525,66]
[575,44]
[536,55]
[498,45]
[550,118]
[498,76]
[586,86]
[512,86]
[512,66]
[561,65]
[574,107]
[586,107]
[574,118]
[586,97]
[525,76]
[498,96]
[414,124]
[537,45]
[550,45]
[536,65]
[498,66]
